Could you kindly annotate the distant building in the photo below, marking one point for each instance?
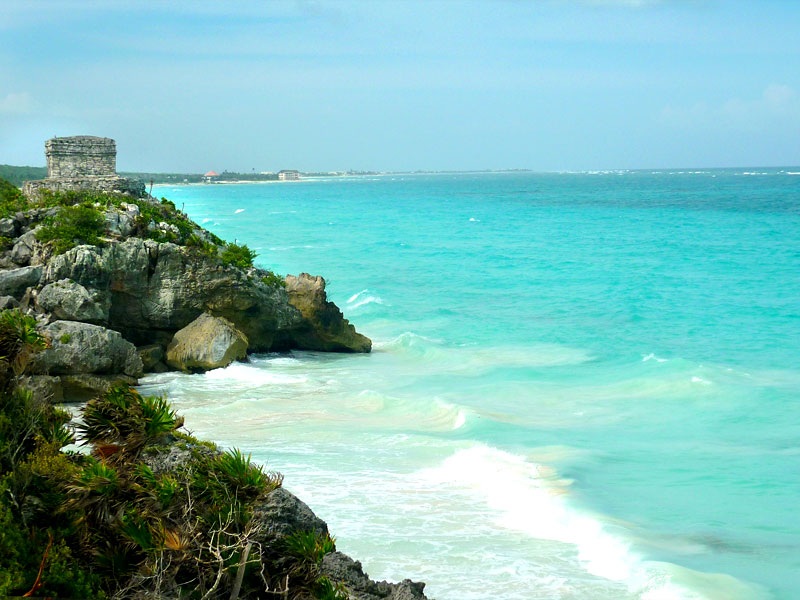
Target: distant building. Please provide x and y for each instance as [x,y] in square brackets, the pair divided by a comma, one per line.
[288,175]
[210,177]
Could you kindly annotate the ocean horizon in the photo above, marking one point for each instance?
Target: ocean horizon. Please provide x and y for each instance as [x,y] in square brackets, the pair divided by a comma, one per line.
[582,385]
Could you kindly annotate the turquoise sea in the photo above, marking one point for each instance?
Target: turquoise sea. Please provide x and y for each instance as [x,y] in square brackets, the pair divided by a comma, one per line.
[583,385]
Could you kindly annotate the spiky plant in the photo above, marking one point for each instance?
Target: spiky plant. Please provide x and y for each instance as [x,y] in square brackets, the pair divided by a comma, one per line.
[310,547]
[19,340]
[325,589]
[122,418]
[243,477]
[93,491]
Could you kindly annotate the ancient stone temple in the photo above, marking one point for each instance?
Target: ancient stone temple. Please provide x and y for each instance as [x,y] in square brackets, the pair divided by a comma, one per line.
[83,162]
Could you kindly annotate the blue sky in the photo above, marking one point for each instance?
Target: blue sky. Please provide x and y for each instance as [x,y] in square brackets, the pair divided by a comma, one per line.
[545,85]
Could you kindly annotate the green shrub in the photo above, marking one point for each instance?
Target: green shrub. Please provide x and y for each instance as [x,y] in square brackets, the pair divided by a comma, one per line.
[238,256]
[310,547]
[73,225]
[11,199]
[201,246]
[273,280]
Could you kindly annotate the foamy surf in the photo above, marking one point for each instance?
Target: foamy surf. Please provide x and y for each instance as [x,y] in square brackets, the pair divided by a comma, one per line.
[529,498]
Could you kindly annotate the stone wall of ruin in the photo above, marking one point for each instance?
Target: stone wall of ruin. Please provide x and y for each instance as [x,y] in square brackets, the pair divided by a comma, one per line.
[81,156]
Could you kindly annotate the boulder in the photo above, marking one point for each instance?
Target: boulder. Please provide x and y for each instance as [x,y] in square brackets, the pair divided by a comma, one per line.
[23,248]
[325,327]
[8,227]
[70,301]
[84,348]
[15,281]
[206,343]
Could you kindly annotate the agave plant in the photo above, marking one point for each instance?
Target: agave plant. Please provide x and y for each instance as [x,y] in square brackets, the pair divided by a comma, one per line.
[19,339]
[242,476]
[310,547]
[93,491]
[122,418]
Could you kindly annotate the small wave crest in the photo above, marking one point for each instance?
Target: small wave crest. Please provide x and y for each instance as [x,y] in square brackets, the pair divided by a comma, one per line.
[652,356]
[363,298]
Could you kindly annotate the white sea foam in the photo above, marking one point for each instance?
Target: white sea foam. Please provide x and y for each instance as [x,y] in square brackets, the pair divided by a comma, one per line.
[251,375]
[529,498]
[474,220]
[368,300]
[238,210]
[354,297]
[206,220]
[700,380]
[652,356]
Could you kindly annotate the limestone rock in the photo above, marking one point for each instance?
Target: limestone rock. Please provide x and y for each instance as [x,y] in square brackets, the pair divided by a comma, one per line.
[70,301]
[84,348]
[8,227]
[153,358]
[282,514]
[7,302]
[15,281]
[326,328]
[82,387]
[121,222]
[23,248]
[341,568]
[43,386]
[206,343]
[156,289]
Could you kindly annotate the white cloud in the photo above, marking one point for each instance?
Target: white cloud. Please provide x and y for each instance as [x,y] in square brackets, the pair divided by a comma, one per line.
[778,105]
[15,104]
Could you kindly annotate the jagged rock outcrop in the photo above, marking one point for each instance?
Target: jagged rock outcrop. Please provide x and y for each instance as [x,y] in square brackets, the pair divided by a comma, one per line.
[206,343]
[325,327]
[340,567]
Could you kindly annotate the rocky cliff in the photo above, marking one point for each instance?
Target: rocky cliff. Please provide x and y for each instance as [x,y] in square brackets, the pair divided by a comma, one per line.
[146,274]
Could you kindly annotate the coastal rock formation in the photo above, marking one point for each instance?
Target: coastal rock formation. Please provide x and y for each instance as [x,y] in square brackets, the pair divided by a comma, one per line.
[206,343]
[340,567]
[148,272]
[325,327]
[281,514]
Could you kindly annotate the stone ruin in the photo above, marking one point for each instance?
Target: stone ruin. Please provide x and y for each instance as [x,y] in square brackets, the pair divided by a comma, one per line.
[80,163]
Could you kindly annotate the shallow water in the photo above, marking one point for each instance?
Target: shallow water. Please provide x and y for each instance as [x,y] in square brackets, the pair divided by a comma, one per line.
[582,385]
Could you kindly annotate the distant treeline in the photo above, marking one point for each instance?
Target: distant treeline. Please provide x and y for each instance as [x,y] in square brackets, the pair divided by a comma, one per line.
[17,175]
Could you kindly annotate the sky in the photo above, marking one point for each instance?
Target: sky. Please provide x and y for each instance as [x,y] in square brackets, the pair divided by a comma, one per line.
[543,85]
